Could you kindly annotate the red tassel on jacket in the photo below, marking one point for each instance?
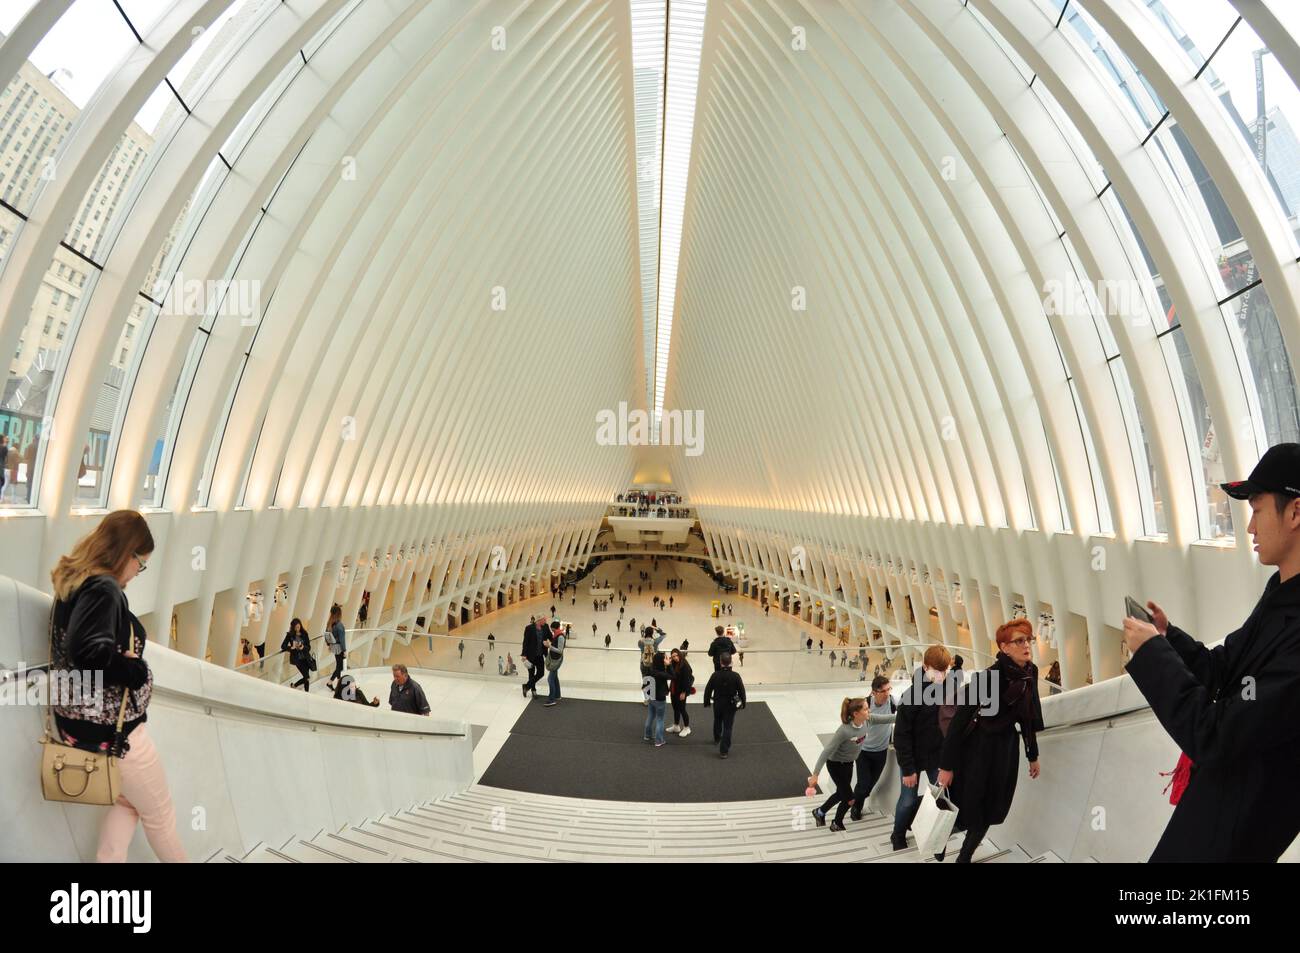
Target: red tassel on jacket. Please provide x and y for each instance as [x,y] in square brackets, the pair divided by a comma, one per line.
[1182,774]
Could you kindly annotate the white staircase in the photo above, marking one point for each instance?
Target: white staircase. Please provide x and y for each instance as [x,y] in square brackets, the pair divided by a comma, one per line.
[492,825]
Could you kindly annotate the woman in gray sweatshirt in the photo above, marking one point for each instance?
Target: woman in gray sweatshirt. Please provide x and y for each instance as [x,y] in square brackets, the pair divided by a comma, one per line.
[839,756]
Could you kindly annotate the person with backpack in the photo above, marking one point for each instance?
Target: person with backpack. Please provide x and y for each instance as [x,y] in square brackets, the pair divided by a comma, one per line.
[654,685]
[838,756]
[683,686]
[875,749]
[917,741]
[978,762]
[729,690]
[720,645]
[651,636]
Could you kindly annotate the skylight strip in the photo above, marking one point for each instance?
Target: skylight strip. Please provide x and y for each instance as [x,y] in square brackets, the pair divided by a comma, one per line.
[649,37]
[685,38]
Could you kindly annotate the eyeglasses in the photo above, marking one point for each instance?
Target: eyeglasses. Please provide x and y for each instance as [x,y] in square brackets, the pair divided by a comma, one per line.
[1022,642]
[141,564]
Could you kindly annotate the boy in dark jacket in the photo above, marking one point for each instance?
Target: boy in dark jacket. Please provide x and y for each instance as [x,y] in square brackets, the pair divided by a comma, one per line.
[917,743]
[1234,710]
[729,689]
[719,645]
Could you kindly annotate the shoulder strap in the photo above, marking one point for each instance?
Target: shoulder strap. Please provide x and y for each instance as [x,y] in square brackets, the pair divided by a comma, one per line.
[49,682]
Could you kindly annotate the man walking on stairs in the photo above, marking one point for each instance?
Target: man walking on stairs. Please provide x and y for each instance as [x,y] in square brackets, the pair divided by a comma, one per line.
[727,688]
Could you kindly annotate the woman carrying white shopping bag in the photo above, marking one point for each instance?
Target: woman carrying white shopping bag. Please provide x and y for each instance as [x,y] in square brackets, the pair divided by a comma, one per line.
[979,760]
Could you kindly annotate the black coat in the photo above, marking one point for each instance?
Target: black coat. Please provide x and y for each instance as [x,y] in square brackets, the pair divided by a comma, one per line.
[97,626]
[1235,711]
[532,648]
[660,676]
[300,656]
[718,646]
[981,749]
[917,738]
[726,686]
[683,678]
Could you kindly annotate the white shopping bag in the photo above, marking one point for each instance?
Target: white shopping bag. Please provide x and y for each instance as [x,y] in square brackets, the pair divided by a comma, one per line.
[934,820]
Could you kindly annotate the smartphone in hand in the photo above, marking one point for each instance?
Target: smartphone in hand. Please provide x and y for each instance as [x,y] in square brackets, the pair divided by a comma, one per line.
[1135,610]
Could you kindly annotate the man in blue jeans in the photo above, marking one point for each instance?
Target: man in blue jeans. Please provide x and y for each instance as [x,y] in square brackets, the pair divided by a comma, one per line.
[554,647]
[917,742]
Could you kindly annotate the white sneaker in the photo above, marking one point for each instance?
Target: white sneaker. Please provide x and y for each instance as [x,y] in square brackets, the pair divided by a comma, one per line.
[673,730]
[686,731]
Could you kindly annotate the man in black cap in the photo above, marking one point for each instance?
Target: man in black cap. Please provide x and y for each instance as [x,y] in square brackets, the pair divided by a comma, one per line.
[1234,710]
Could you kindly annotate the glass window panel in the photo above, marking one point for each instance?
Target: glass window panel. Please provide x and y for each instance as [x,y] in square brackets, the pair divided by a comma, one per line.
[86,44]
[1197,25]
[1112,196]
[1151,497]
[1116,66]
[160,451]
[211,49]
[111,190]
[1215,518]
[36,371]
[1234,267]
[104,425]
[1104,522]
[1253,316]
[37,113]
[1248,80]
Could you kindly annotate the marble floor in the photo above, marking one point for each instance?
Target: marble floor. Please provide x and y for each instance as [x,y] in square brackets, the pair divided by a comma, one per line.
[776,650]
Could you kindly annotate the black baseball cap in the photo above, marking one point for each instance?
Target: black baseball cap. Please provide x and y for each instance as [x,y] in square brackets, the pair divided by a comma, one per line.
[1278,471]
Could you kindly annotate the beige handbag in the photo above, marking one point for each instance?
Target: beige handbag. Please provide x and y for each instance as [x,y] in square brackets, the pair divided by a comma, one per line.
[76,776]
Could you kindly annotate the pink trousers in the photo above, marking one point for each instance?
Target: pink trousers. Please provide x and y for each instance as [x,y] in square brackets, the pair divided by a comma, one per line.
[144,798]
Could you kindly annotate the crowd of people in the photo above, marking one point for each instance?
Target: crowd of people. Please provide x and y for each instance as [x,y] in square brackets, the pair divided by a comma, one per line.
[649,498]
[1238,744]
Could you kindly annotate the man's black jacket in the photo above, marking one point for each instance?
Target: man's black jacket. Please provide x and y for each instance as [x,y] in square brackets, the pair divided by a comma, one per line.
[1235,711]
[917,738]
[532,644]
